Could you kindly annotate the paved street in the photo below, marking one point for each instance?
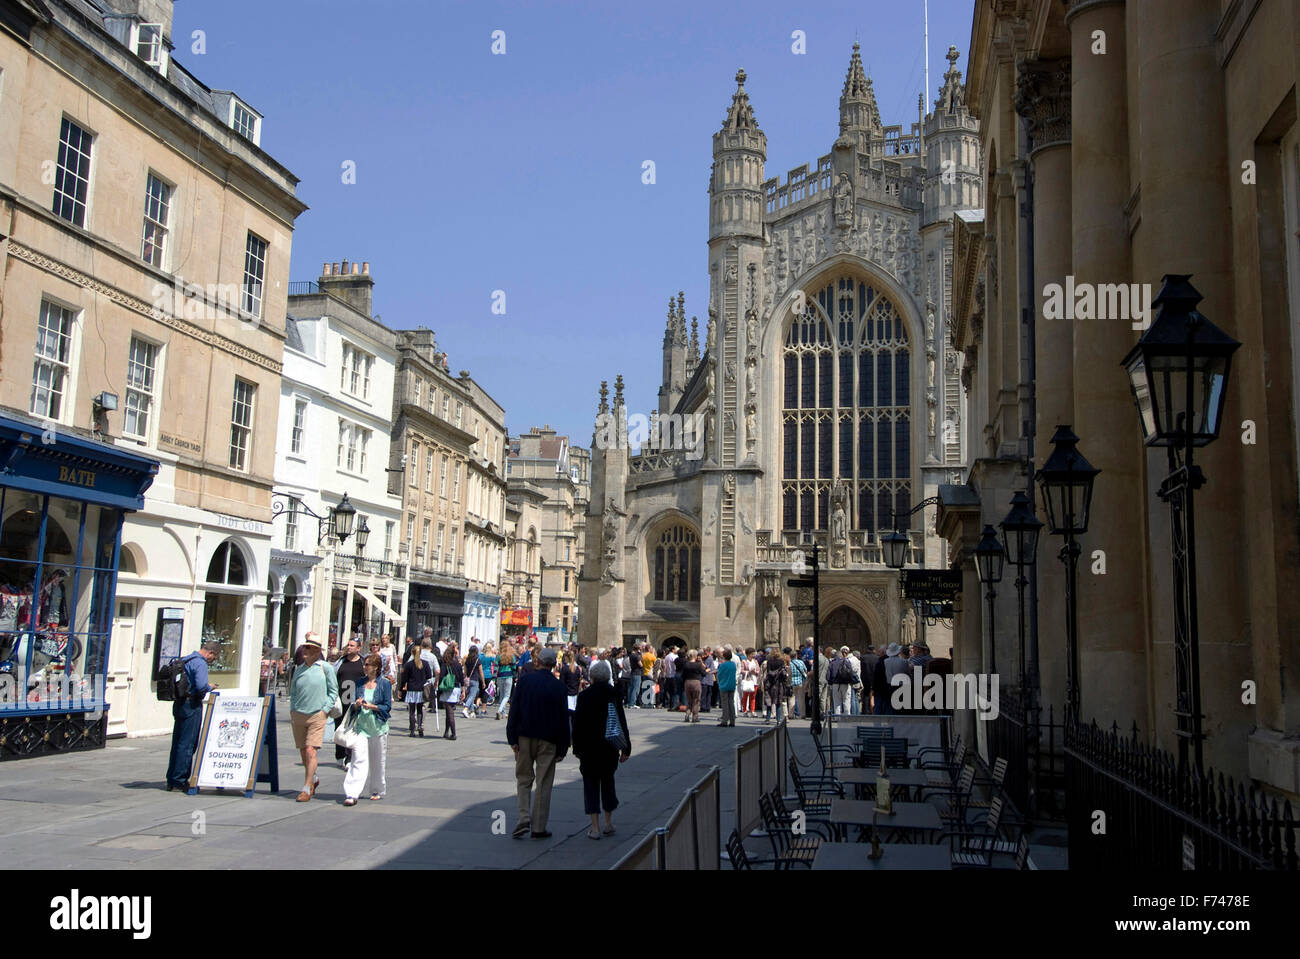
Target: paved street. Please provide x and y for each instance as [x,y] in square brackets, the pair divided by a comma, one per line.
[107,809]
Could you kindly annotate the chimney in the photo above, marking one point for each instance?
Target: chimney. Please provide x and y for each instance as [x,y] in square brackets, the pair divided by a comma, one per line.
[348,283]
[146,11]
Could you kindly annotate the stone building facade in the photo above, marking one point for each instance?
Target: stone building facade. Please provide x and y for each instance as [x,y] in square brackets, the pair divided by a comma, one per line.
[145,256]
[545,461]
[822,401]
[1123,141]
[448,449]
[336,401]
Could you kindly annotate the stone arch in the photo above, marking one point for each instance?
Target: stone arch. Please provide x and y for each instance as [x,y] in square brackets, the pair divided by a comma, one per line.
[647,542]
[132,561]
[844,626]
[834,597]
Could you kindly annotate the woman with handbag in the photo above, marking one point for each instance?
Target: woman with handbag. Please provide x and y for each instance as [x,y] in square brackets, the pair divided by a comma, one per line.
[748,684]
[449,687]
[776,686]
[505,676]
[366,732]
[601,741]
[416,674]
[473,681]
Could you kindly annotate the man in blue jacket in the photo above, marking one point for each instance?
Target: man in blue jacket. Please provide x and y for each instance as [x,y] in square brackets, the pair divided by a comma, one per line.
[187,715]
[538,731]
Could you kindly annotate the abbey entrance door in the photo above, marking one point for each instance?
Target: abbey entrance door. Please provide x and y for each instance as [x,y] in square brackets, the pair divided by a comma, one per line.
[844,627]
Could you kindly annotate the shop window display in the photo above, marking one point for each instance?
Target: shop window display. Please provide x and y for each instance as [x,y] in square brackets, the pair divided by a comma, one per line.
[223,613]
[57,563]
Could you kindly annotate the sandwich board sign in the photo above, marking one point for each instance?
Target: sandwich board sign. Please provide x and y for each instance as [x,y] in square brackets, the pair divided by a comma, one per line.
[237,745]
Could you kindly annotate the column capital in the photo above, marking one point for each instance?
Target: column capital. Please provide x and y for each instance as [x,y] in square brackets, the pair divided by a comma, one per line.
[1043,98]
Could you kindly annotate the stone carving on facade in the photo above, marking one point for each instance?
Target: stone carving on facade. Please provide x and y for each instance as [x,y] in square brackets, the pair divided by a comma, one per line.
[1043,99]
[752,286]
[733,274]
[907,629]
[876,594]
[772,624]
[839,525]
[844,202]
[708,527]
[744,524]
[751,427]
[706,576]
[747,574]
[609,560]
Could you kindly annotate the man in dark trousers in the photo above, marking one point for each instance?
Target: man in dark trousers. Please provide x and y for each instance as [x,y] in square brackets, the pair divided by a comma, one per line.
[538,731]
[187,715]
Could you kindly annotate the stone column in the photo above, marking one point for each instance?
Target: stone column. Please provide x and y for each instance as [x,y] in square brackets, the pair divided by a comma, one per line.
[1043,99]
[1112,607]
[1184,172]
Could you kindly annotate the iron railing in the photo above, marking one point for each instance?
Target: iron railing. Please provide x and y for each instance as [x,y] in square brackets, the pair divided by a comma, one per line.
[1161,816]
[303,288]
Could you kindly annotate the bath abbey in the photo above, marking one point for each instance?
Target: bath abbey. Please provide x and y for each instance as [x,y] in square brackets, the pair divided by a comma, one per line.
[822,408]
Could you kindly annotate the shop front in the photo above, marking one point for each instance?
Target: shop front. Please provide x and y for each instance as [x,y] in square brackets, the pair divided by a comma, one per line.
[63,500]
[479,620]
[516,621]
[437,607]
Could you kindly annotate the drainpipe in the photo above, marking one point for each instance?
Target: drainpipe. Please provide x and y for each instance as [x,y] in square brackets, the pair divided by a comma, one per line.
[1030,319]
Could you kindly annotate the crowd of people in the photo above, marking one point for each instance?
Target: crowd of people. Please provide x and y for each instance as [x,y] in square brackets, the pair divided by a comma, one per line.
[576,699]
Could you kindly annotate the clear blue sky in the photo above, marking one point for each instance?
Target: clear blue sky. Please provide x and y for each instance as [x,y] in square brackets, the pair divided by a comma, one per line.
[522,172]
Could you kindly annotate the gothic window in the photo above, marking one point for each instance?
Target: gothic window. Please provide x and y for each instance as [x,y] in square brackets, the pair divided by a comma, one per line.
[676,566]
[847,408]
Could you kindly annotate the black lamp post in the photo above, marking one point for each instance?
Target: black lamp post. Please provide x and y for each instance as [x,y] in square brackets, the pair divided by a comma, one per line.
[1066,481]
[894,545]
[989,560]
[335,524]
[1178,372]
[1020,531]
[363,536]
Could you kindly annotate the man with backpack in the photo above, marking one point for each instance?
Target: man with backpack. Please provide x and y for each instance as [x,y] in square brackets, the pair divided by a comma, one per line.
[842,678]
[188,686]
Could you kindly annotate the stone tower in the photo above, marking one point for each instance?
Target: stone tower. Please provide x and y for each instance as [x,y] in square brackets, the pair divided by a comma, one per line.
[600,584]
[736,241]
[676,358]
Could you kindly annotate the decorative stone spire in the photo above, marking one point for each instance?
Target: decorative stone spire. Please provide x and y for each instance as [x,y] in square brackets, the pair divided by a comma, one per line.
[681,318]
[740,116]
[953,95]
[604,397]
[618,391]
[694,354]
[858,109]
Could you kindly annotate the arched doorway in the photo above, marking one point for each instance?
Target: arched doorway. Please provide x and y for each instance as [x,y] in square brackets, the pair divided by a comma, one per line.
[844,627]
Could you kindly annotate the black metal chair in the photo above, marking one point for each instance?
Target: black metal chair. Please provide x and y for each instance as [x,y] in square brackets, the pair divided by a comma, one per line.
[953,799]
[951,769]
[810,789]
[827,752]
[945,753]
[787,849]
[995,783]
[817,818]
[740,857]
[974,846]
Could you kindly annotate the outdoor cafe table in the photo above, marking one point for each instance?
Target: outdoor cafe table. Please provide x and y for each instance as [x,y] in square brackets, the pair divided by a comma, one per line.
[908,818]
[853,855]
[898,778]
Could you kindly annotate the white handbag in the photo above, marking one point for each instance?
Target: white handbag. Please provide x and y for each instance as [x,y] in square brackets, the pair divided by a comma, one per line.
[346,734]
[335,710]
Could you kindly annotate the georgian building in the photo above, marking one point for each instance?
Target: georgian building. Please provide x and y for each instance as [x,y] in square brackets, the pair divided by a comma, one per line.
[142,302]
[449,448]
[547,462]
[333,442]
[1087,111]
[822,406]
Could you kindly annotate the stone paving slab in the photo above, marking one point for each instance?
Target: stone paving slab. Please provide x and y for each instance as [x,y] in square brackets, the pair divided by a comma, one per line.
[106,809]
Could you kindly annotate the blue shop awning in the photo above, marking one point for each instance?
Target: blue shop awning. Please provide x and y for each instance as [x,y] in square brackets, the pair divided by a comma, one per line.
[54,460]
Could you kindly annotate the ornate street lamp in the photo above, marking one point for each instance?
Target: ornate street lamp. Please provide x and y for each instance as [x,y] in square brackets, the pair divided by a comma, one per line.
[363,536]
[1066,481]
[1178,372]
[990,558]
[894,545]
[336,523]
[1020,531]
[341,519]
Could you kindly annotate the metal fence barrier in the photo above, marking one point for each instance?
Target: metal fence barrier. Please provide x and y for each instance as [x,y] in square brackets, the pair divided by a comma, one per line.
[760,768]
[690,839]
